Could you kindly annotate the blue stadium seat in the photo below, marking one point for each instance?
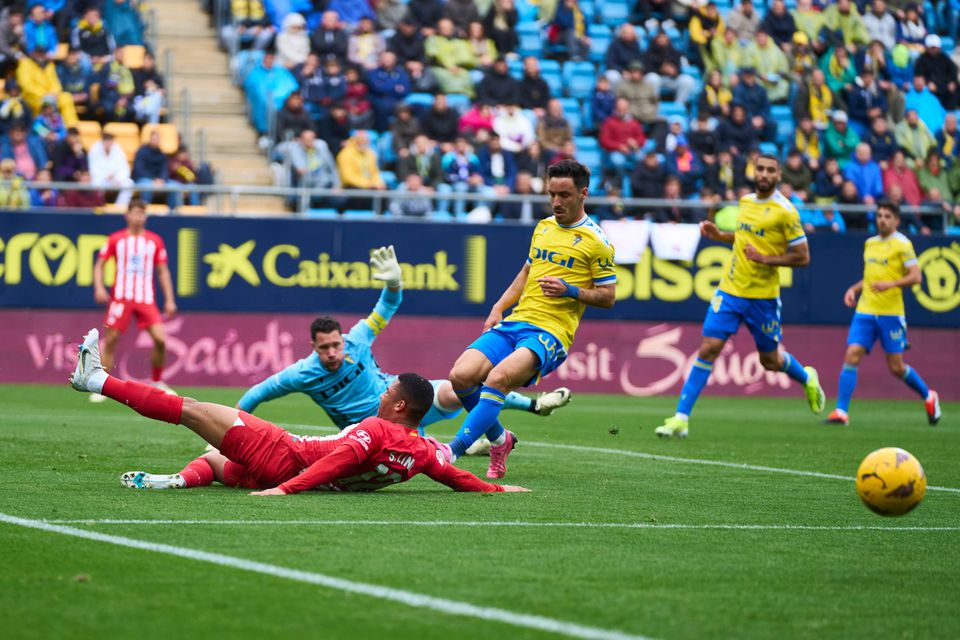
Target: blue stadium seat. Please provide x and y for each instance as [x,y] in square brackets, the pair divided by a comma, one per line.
[458,102]
[615,12]
[358,214]
[531,39]
[600,39]
[442,216]
[550,70]
[515,68]
[769,147]
[526,11]
[390,179]
[322,214]
[573,113]
[385,148]
[783,117]
[948,44]
[579,78]
[586,143]
[589,12]
[419,100]
[669,109]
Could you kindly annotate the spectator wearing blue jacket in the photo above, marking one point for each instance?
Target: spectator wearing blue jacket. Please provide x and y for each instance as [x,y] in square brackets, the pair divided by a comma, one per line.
[150,168]
[321,90]
[498,167]
[461,170]
[623,50]
[864,172]
[123,22]
[865,102]
[352,11]
[38,32]
[602,101]
[882,142]
[267,79]
[389,85]
[753,97]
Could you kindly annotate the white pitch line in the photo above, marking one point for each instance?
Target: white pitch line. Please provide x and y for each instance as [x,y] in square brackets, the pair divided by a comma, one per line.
[409,598]
[664,458]
[519,524]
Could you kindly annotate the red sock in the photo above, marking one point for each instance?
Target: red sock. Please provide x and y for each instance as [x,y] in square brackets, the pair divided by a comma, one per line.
[146,400]
[156,373]
[198,473]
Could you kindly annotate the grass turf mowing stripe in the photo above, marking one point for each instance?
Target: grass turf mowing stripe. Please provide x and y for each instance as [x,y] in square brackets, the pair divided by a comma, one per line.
[409,598]
[480,523]
[663,458]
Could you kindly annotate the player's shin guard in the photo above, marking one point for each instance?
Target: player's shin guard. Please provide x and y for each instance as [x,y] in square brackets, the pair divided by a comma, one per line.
[793,368]
[519,401]
[469,397]
[483,419]
[848,382]
[915,382]
[696,381]
[144,399]
[198,473]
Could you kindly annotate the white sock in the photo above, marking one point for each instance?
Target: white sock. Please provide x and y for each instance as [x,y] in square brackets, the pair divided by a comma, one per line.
[682,416]
[502,440]
[96,381]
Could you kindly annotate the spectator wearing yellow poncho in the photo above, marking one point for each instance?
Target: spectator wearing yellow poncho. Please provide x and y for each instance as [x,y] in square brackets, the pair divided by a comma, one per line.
[37,76]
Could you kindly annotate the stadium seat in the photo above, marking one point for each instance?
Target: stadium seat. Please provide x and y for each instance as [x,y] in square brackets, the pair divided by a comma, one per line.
[573,114]
[385,148]
[90,132]
[419,100]
[359,214]
[169,136]
[132,55]
[550,71]
[579,78]
[615,12]
[127,135]
[193,210]
[158,209]
[670,109]
[526,11]
[389,178]
[61,52]
[588,9]
[783,117]
[531,39]
[586,143]
[948,44]
[600,39]
[321,214]
[113,207]
[769,147]
[515,68]
[592,158]
[441,216]
[458,102]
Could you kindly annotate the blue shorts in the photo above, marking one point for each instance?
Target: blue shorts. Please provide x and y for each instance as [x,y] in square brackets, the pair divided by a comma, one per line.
[506,337]
[761,315]
[436,412]
[865,329]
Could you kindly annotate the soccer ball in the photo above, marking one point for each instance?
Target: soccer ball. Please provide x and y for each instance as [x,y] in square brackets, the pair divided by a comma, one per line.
[891,481]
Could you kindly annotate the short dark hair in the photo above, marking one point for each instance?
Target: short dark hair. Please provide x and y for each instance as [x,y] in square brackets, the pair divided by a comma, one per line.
[580,174]
[136,203]
[417,392]
[769,156]
[890,206]
[324,324]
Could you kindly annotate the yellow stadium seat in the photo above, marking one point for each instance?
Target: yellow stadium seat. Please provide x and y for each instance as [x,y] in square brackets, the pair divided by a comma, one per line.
[113,207]
[90,132]
[127,135]
[132,55]
[193,210]
[157,209]
[169,136]
[61,51]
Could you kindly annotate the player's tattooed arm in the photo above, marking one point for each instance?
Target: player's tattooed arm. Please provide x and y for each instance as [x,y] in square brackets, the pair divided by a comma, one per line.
[797,255]
[509,298]
[710,230]
[602,296]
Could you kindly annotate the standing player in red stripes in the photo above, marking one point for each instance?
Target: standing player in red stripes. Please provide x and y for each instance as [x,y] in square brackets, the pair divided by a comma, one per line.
[139,254]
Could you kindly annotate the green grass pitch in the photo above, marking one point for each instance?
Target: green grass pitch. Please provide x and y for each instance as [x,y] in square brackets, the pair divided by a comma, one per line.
[849,574]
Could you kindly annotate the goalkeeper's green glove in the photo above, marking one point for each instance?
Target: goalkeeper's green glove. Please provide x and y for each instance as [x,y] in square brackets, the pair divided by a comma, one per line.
[384,265]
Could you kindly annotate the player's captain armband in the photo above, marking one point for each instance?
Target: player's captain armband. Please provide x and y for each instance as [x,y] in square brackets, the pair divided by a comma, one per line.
[376,322]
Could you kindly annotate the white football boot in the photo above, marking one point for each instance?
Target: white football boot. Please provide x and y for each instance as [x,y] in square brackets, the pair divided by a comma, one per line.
[144,480]
[550,401]
[88,361]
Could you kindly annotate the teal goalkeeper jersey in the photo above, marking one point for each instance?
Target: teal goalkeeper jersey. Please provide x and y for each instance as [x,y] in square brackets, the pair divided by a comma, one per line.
[349,394]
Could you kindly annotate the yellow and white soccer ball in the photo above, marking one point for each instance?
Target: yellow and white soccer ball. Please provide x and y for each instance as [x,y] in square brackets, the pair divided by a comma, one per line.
[891,481]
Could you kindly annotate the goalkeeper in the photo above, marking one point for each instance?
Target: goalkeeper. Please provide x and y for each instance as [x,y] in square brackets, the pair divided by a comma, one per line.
[343,377]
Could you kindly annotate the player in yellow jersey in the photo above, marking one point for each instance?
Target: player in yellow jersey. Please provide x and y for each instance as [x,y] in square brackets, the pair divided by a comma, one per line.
[889,265]
[570,265]
[768,235]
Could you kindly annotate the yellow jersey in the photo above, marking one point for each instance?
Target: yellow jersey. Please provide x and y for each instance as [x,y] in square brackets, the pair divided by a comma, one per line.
[579,254]
[770,225]
[885,259]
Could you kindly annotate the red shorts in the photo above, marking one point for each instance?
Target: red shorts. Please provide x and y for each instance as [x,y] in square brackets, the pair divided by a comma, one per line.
[265,452]
[119,312]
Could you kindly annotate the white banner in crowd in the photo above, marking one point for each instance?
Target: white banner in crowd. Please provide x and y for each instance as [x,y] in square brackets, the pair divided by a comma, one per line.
[628,237]
[669,241]
[675,241]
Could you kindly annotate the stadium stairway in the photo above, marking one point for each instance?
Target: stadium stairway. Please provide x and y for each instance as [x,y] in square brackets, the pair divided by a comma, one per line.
[216,106]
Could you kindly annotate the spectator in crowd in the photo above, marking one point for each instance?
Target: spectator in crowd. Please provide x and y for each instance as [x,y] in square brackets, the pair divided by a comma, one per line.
[736,133]
[940,71]
[914,137]
[181,170]
[450,57]
[932,175]
[292,43]
[389,85]
[38,32]
[37,77]
[706,25]
[839,71]
[881,25]
[440,123]
[461,169]
[534,91]
[422,158]
[754,99]
[389,13]
[365,45]
[91,36]
[311,163]
[407,42]
[875,58]
[643,100]
[357,101]
[664,66]
[110,169]
[948,139]
[807,141]
[533,161]
[334,128]
[674,212]
[330,39]
[930,222]
[801,58]
[726,55]
[779,24]
[900,175]
[498,87]
[482,49]
[422,78]
[150,169]
[413,207]
[500,24]
[11,33]
[69,158]
[624,51]
[882,142]
[13,191]
[26,149]
[461,13]
[683,164]
[744,21]
[703,137]
[497,167]
[426,14]
[477,121]
[923,101]
[514,128]
[74,76]
[322,90]
[901,67]
[48,125]
[525,210]
[357,164]
[911,30]
[840,139]
[622,137]
[86,199]
[797,174]
[715,99]
[828,181]
[553,129]
[675,129]
[865,101]
[149,91]
[352,12]
[772,66]
[567,27]
[815,100]
[250,26]
[727,176]
[648,177]
[864,172]
[116,89]
[844,24]
[404,128]
[292,118]
[822,220]
[602,100]
[568,151]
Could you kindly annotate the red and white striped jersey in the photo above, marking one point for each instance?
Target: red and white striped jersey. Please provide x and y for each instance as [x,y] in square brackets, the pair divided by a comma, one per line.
[136,256]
